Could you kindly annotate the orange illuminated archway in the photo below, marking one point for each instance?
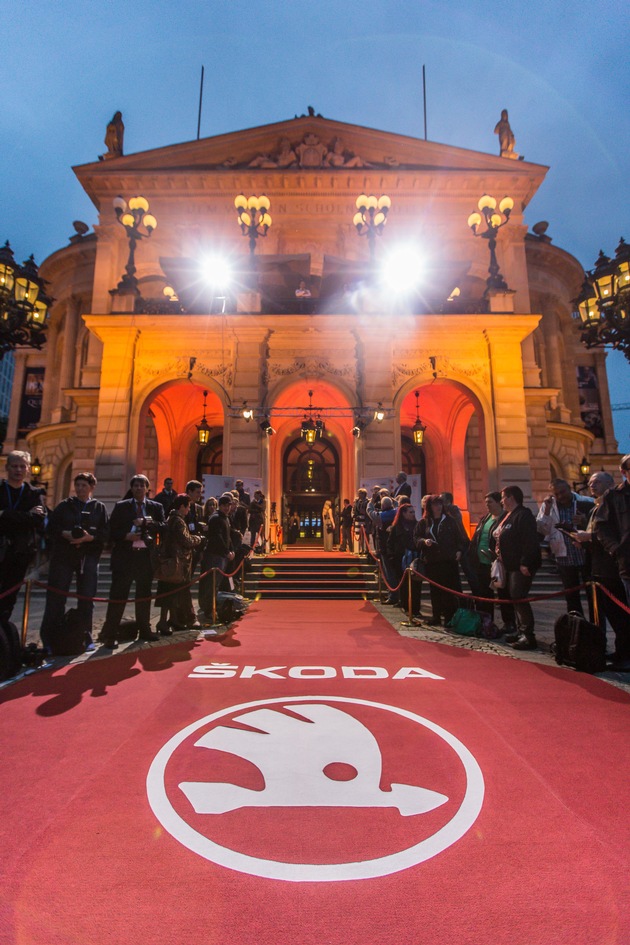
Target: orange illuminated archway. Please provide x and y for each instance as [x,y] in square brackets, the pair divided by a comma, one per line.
[454,449]
[168,443]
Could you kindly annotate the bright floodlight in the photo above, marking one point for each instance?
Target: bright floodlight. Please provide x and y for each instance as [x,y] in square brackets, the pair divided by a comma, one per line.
[402,270]
[217,272]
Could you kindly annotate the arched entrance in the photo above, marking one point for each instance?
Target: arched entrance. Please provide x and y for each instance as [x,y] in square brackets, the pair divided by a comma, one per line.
[168,443]
[453,457]
[310,476]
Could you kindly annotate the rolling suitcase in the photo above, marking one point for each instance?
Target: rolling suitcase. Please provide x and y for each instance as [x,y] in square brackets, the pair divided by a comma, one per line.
[579,643]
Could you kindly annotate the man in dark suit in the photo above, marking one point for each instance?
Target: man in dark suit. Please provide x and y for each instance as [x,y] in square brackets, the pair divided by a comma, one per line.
[402,487]
[132,528]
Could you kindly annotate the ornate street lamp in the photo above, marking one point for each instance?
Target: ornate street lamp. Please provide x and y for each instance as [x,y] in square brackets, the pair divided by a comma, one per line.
[203,430]
[253,217]
[132,216]
[418,429]
[585,471]
[371,217]
[311,429]
[494,219]
[23,303]
[603,305]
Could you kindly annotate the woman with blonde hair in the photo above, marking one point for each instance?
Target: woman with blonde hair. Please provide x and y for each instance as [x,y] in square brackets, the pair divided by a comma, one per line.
[328,524]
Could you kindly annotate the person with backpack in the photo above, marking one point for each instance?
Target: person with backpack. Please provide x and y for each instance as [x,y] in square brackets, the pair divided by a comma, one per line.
[77,529]
[179,544]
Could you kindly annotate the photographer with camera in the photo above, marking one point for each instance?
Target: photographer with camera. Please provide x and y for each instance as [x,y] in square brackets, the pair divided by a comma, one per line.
[22,515]
[77,528]
[133,526]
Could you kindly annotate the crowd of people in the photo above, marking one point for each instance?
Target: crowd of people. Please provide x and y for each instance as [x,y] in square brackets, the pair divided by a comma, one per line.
[145,535]
[589,537]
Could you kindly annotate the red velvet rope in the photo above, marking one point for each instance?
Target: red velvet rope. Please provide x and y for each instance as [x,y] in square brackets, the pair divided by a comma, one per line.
[110,600]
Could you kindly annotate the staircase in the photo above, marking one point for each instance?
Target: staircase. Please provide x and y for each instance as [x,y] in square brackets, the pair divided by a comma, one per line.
[311,577]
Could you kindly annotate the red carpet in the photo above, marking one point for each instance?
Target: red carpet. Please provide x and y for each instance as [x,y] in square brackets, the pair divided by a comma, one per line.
[310,782]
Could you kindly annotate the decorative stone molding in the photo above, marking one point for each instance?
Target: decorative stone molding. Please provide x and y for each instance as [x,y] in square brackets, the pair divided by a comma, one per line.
[308,367]
[445,367]
[180,367]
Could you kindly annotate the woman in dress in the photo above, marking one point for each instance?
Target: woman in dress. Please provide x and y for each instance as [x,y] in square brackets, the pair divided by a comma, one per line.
[328,524]
[441,544]
[177,542]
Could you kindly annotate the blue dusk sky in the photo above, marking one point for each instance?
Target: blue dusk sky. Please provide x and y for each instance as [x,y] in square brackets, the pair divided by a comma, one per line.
[560,69]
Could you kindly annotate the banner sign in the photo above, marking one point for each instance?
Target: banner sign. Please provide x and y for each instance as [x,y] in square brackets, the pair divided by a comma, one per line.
[31,401]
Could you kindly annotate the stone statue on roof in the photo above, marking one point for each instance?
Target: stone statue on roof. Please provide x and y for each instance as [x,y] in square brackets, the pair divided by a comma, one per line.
[114,138]
[506,136]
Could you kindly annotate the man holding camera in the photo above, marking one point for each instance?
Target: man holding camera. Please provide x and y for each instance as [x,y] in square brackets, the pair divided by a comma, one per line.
[77,528]
[133,527]
[22,514]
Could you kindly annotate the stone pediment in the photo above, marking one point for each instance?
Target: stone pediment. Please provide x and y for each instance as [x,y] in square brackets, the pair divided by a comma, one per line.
[306,143]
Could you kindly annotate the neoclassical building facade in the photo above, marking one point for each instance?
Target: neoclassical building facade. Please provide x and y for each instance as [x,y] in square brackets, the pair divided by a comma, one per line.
[498,377]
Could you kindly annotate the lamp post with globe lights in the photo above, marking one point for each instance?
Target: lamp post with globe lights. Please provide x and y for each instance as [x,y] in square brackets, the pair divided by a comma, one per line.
[133,215]
[371,217]
[493,219]
[253,217]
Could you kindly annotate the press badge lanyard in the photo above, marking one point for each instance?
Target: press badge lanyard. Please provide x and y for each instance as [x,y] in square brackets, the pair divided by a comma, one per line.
[13,505]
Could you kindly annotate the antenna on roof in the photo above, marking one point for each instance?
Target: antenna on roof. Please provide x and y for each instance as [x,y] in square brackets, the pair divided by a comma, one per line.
[200,100]
[424,96]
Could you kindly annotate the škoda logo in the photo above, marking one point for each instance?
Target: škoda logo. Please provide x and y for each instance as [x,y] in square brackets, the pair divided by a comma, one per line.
[367,789]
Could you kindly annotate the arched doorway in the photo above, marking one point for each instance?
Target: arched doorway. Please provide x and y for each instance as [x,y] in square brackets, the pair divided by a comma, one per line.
[210,458]
[310,476]
[168,443]
[413,461]
[453,457]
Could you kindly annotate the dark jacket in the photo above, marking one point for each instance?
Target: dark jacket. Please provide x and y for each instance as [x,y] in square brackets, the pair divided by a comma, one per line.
[612,526]
[219,541]
[400,538]
[448,535]
[194,519]
[601,565]
[19,527]
[91,516]
[166,499]
[120,524]
[518,544]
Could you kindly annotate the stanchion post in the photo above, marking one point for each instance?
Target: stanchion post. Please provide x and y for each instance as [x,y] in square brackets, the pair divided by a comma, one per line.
[214,596]
[380,584]
[243,578]
[595,603]
[410,622]
[27,607]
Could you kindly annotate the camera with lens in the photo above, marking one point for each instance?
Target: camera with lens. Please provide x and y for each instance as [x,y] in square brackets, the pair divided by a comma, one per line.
[149,530]
[78,531]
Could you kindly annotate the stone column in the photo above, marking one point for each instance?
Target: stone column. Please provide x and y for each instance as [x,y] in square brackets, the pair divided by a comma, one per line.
[115,455]
[50,383]
[68,357]
[510,410]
